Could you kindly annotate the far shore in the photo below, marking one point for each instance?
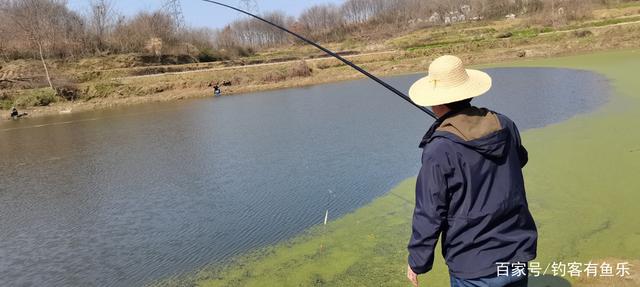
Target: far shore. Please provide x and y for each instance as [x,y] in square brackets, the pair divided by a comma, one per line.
[64,108]
[112,89]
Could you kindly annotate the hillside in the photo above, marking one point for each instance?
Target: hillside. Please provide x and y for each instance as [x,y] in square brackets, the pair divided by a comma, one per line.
[104,81]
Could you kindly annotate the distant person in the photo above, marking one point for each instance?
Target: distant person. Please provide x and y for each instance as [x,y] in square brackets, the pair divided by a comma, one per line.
[470,187]
[14,113]
[216,90]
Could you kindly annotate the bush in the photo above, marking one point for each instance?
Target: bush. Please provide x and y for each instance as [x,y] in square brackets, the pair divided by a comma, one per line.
[168,59]
[582,33]
[239,51]
[301,69]
[69,92]
[6,101]
[5,104]
[504,35]
[210,55]
[36,97]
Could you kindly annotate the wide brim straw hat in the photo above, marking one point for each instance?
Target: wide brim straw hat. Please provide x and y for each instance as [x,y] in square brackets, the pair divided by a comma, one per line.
[447,82]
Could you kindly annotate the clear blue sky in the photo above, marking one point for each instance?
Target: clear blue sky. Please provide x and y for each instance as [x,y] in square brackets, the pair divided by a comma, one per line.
[198,13]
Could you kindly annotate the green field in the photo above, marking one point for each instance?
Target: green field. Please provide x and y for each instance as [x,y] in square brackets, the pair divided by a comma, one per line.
[581,188]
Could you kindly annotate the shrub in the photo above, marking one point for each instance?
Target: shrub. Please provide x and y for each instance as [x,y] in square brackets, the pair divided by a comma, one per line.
[300,69]
[504,35]
[5,104]
[36,97]
[210,55]
[6,101]
[69,92]
[582,33]
[243,51]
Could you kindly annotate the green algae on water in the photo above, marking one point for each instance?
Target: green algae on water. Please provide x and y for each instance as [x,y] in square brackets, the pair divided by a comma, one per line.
[581,185]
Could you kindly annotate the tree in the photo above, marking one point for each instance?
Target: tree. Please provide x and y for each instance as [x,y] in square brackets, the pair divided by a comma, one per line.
[320,21]
[134,35]
[357,11]
[30,17]
[101,21]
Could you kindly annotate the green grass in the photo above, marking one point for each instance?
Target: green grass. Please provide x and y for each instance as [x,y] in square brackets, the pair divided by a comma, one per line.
[34,98]
[439,45]
[581,177]
[6,104]
[601,23]
[581,188]
[484,37]
[415,41]
[526,33]
[627,4]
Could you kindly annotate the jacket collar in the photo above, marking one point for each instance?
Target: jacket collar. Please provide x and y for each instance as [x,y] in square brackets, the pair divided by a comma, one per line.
[472,123]
[426,138]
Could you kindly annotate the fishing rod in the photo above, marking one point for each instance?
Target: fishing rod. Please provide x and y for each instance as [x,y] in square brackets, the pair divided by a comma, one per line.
[347,62]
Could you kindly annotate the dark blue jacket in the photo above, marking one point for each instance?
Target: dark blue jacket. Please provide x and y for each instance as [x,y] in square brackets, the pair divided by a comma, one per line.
[471,189]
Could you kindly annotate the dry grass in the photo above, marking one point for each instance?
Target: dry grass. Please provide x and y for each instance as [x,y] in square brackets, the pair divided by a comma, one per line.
[476,43]
[298,70]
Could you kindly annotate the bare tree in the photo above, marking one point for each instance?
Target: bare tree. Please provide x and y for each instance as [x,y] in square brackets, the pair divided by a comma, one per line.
[29,17]
[134,35]
[253,33]
[48,28]
[4,30]
[358,11]
[101,21]
[321,21]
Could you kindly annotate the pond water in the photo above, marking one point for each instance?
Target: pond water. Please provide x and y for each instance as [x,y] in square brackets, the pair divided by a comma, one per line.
[130,195]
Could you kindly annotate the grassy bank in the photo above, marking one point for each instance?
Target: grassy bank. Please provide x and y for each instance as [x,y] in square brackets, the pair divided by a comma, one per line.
[581,188]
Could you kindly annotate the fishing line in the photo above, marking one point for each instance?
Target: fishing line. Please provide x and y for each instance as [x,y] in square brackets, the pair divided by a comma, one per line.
[347,62]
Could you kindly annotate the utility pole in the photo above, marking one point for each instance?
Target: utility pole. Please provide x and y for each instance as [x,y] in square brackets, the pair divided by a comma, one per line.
[174,8]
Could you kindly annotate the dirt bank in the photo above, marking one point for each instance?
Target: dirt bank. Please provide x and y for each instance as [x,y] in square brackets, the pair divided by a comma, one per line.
[404,54]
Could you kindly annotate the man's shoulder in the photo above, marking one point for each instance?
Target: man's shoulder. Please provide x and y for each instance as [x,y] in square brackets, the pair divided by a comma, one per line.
[504,120]
[438,147]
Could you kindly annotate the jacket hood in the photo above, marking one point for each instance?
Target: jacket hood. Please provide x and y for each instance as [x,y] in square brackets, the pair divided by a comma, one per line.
[476,128]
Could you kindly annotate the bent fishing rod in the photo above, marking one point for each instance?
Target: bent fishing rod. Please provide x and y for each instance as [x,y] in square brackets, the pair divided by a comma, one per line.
[347,62]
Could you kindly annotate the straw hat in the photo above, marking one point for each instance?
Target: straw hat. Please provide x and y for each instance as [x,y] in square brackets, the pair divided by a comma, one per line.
[448,81]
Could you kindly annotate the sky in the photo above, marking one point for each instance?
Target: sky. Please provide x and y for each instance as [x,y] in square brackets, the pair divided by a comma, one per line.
[200,14]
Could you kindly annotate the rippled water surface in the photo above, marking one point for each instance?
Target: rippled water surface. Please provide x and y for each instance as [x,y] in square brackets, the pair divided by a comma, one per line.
[127,196]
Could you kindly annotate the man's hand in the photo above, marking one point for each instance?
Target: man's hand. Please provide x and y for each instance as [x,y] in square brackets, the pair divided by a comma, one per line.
[412,276]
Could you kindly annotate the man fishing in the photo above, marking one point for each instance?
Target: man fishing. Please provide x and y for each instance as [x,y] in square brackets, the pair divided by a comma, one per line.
[470,188]
[15,114]
[216,90]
